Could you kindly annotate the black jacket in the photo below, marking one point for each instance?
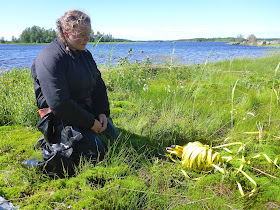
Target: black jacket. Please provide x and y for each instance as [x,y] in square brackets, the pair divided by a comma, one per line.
[62,83]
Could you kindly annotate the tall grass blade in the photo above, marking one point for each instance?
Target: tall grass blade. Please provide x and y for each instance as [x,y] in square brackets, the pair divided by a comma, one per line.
[199,81]
[232,102]
[171,58]
[270,107]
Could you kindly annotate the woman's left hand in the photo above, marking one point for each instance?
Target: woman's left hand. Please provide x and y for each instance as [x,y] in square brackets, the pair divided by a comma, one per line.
[103,120]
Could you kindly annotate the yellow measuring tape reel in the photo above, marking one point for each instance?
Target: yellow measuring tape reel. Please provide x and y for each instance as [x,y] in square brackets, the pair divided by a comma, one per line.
[198,157]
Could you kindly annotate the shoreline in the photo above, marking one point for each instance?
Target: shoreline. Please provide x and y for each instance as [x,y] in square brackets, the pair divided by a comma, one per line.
[256,44]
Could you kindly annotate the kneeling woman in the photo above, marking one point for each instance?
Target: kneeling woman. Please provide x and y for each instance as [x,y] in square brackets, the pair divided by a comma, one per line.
[72,98]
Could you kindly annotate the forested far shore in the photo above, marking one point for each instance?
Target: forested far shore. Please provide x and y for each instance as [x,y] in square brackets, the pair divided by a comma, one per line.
[38,35]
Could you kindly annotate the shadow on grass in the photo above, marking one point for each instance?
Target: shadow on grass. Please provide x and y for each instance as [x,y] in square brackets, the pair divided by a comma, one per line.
[141,144]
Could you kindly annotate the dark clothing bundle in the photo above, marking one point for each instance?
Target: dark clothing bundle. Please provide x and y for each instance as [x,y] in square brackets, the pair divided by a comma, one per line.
[72,87]
[71,145]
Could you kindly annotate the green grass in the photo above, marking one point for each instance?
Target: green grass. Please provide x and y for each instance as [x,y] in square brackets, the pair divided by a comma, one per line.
[272,45]
[154,106]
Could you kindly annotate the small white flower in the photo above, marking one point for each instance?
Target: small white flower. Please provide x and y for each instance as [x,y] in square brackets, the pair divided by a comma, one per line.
[233,111]
[168,88]
[250,113]
[145,88]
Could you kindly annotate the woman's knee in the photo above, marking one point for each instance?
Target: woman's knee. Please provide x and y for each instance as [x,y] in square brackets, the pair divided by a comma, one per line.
[111,130]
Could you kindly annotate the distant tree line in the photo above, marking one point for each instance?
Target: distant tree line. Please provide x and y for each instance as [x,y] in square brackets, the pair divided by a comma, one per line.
[2,40]
[228,39]
[36,34]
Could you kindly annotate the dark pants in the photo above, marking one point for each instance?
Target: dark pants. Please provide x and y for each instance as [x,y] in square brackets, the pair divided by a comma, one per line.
[70,144]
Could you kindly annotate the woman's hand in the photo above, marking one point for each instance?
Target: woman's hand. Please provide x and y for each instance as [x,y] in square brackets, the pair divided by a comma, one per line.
[103,120]
[96,126]
[101,125]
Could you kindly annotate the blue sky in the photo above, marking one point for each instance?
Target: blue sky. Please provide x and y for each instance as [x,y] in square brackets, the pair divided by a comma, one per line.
[150,19]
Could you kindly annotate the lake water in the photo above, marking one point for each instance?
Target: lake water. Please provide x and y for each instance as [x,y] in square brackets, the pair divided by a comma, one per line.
[12,56]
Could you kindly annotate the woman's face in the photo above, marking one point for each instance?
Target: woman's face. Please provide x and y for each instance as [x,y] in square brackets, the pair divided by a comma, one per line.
[78,38]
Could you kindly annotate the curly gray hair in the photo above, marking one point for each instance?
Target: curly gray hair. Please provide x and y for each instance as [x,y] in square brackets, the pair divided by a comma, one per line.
[68,22]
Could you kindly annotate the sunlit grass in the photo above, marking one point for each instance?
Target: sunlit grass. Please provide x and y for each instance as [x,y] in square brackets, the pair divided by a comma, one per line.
[153,106]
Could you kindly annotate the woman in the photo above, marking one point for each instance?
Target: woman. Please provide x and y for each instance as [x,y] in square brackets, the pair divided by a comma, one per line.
[72,99]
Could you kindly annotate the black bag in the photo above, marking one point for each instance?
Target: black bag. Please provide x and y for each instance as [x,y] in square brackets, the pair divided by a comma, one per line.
[66,148]
[45,125]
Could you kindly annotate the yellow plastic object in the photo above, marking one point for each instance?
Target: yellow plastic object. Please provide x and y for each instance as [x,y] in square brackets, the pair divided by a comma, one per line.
[196,156]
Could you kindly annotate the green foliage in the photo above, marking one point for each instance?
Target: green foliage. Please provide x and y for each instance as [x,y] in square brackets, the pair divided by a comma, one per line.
[2,40]
[102,37]
[35,34]
[154,107]
[17,98]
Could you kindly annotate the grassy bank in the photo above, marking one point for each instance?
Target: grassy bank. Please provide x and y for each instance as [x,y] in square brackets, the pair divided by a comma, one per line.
[273,45]
[155,106]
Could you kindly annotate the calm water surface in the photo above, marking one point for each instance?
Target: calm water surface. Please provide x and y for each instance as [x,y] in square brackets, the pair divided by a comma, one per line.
[12,56]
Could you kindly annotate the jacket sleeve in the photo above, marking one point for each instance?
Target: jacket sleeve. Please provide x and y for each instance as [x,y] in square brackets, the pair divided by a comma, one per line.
[51,75]
[99,96]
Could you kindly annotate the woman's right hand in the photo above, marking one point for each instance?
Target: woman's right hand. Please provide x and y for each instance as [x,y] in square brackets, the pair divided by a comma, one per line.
[96,126]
